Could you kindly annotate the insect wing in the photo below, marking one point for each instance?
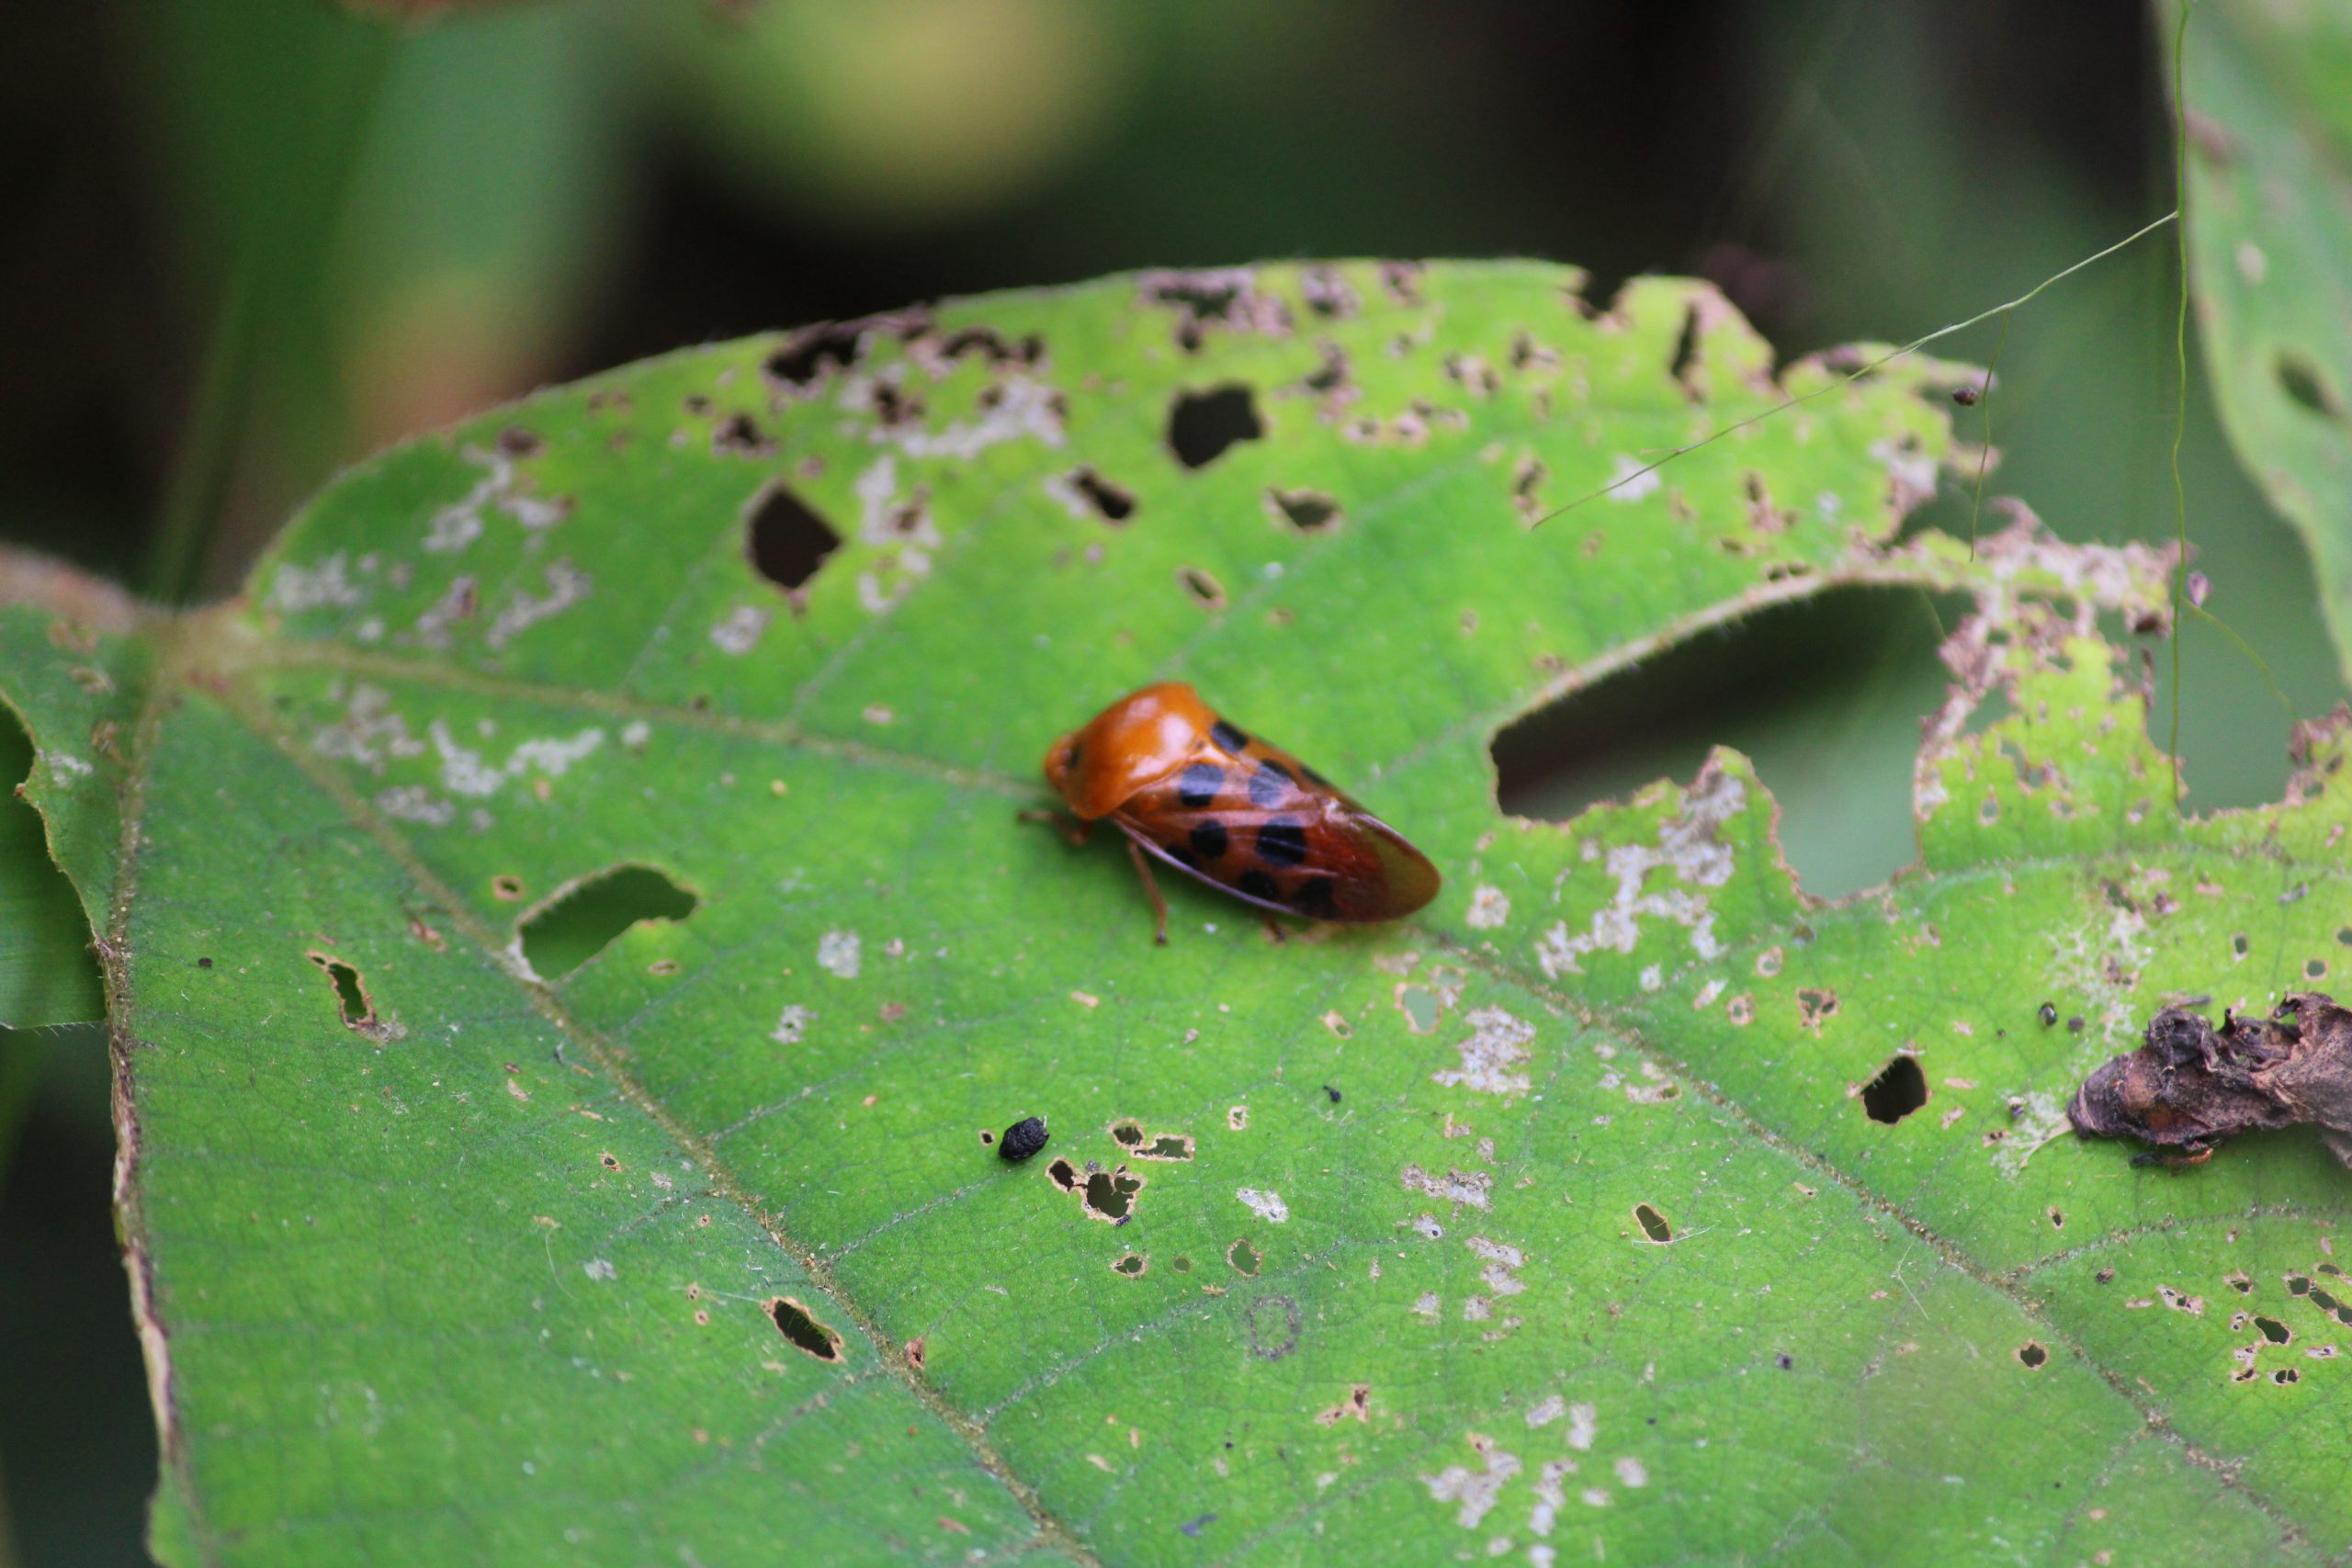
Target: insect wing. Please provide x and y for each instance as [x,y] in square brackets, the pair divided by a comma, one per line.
[1256,823]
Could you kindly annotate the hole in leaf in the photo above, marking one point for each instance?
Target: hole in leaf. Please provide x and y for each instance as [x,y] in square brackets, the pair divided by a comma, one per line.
[786,541]
[1308,510]
[1113,504]
[1203,587]
[1243,1257]
[1824,696]
[2286,1375]
[351,996]
[577,923]
[1653,1223]
[2032,1355]
[1111,1194]
[1203,424]
[1127,1132]
[2304,384]
[1686,347]
[794,1322]
[741,434]
[808,353]
[2298,1285]
[1899,1090]
[2273,1330]
[1065,1175]
[1132,1265]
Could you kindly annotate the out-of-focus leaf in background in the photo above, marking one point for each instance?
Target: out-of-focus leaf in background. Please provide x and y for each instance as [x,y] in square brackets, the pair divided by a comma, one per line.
[2269,171]
[898,116]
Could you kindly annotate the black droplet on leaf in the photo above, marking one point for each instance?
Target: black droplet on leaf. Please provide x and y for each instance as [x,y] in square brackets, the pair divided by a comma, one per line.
[1021,1140]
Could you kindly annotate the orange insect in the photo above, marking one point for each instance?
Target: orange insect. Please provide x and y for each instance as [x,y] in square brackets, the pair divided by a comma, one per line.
[1193,790]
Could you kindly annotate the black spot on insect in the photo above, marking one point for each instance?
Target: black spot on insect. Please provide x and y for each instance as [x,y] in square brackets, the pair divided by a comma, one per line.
[1208,839]
[1227,736]
[1317,780]
[1021,1140]
[1182,854]
[1283,842]
[1315,895]
[1199,785]
[1269,784]
[1258,884]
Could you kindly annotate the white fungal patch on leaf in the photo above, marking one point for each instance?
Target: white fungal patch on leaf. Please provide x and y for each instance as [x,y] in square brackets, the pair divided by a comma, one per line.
[1025,408]
[1584,1425]
[414,803]
[1632,1471]
[839,955]
[1551,1496]
[370,735]
[1503,1262]
[741,631]
[1493,1059]
[1632,479]
[1267,1206]
[458,600]
[464,771]
[1550,1410]
[600,1269]
[1475,1491]
[1489,908]
[792,1025]
[1910,472]
[326,585]
[902,531]
[566,585]
[459,524]
[1473,1188]
[65,767]
[1688,846]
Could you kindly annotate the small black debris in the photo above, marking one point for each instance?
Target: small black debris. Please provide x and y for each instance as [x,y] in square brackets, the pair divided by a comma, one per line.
[1195,1527]
[1021,1140]
[204,963]
[1786,1362]
[1332,1092]
[2049,1014]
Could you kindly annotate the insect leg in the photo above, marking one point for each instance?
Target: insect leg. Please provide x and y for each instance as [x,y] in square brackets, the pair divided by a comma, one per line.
[1073,829]
[1150,887]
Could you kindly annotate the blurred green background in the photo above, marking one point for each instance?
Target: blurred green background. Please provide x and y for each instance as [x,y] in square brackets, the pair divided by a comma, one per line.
[244,244]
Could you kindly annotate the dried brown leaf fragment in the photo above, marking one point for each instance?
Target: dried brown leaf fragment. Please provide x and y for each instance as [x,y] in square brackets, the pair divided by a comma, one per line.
[2189,1085]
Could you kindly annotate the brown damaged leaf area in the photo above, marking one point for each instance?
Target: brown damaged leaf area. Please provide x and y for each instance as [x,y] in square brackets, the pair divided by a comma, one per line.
[2190,1086]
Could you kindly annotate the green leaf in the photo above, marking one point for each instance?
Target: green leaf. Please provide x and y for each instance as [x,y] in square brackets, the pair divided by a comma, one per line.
[2269,202]
[1552,1225]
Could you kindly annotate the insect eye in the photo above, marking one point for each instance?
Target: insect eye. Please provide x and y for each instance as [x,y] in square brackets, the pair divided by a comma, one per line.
[1069,758]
